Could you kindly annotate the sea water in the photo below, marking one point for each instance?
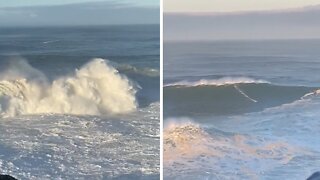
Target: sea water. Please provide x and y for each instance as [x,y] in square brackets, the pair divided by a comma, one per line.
[80,102]
[241,109]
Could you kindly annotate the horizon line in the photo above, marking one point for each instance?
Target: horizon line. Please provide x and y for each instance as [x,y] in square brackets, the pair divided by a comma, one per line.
[204,13]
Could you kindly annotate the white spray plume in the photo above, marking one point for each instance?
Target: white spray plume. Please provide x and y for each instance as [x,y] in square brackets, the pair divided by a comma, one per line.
[95,89]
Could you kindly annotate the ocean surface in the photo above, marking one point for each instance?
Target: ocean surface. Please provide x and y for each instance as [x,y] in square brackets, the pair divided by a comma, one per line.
[242,109]
[80,102]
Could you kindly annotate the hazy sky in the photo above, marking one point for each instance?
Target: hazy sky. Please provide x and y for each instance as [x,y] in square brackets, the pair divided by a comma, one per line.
[78,12]
[233,5]
[19,3]
[294,24]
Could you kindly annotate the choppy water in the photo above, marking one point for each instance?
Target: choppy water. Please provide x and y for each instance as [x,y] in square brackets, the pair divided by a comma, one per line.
[80,102]
[241,110]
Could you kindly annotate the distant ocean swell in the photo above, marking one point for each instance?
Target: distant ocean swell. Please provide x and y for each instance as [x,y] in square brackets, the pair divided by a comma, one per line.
[96,88]
[229,96]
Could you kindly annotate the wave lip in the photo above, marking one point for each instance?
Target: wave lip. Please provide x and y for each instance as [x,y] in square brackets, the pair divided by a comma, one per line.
[217,82]
[97,88]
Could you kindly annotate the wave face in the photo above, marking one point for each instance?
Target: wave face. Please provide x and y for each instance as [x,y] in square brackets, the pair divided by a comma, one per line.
[96,88]
[228,98]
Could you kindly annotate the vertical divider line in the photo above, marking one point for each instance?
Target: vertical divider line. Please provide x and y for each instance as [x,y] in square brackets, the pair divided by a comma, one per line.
[161,89]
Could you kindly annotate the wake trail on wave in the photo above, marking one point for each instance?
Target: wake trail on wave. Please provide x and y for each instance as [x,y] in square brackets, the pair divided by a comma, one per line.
[244,94]
[96,88]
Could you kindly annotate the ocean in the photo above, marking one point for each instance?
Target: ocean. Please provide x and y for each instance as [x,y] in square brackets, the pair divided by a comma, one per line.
[241,109]
[80,102]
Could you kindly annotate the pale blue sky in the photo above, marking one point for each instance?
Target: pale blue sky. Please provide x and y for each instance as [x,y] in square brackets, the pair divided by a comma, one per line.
[19,3]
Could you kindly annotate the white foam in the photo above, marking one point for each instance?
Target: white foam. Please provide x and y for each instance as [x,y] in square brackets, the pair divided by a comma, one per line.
[190,149]
[311,94]
[96,88]
[217,82]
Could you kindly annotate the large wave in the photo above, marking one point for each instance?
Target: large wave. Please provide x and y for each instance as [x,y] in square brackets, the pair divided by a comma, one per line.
[230,98]
[94,89]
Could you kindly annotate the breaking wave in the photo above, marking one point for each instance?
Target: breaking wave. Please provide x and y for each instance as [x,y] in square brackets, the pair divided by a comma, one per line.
[96,88]
[230,98]
[217,82]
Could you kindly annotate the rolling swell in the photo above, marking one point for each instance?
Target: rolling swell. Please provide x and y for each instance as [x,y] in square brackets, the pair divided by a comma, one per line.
[228,99]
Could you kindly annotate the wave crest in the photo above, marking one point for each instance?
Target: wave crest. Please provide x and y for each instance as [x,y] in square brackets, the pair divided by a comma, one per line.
[96,88]
[217,82]
[151,72]
[311,94]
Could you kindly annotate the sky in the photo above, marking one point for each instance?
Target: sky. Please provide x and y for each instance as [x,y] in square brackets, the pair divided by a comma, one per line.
[233,5]
[194,22]
[78,12]
[21,3]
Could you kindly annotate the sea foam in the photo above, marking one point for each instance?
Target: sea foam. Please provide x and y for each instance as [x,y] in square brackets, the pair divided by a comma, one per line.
[96,88]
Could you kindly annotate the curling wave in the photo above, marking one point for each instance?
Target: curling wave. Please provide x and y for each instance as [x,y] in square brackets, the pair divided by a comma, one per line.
[239,98]
[96,88]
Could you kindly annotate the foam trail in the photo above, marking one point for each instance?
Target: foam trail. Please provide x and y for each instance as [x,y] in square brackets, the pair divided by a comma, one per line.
[217,82]
[244,94]
[95,89]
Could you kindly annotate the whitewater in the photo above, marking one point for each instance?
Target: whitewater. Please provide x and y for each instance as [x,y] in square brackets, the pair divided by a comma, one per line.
[96,88]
